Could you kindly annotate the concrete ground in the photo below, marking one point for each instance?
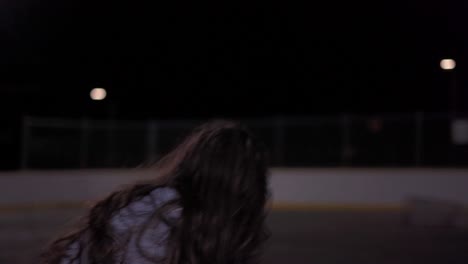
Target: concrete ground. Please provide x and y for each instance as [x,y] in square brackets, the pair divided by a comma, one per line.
[321,237]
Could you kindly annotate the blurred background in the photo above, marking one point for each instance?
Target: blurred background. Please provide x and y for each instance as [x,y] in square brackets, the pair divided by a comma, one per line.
[362,106]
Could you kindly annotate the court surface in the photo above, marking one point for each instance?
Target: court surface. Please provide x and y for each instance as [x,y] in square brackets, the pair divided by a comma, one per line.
[322,237]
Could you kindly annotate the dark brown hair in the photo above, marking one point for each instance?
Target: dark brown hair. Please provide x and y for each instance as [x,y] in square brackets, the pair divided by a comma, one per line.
[220,174]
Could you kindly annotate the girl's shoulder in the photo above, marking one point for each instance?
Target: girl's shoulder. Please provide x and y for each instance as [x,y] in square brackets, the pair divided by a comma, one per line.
[138,212]
[127,225]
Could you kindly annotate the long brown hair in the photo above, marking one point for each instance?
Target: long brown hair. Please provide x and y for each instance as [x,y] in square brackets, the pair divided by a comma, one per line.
[220,173]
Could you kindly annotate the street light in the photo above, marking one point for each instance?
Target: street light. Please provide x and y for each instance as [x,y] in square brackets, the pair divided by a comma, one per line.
[98,94]
[447,64]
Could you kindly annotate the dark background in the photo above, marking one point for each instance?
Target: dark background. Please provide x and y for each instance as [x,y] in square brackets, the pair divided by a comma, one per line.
[184,60]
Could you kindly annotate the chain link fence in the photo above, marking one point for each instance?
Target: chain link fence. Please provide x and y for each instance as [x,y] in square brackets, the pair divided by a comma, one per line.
[353,141]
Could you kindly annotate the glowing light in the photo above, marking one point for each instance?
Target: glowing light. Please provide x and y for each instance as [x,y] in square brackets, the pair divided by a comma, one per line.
[447,64]
[98,94]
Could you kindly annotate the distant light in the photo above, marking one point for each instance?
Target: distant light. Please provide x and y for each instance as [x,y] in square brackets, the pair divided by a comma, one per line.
[447,64]
[98,94]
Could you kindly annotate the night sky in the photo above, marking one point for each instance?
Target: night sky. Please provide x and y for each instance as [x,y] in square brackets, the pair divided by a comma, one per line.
[173,59]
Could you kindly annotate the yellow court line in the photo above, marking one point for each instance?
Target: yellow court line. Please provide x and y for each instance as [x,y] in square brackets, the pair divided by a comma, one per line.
[280,206]
[42,206]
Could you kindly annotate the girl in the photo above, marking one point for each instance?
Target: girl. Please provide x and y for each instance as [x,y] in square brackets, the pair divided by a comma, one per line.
[207,205]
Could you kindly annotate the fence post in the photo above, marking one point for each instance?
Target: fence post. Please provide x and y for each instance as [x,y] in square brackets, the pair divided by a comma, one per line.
[151,141]
[111,126]
[419,144]
[84,143]
[279,140]
[346,150]
[25,138]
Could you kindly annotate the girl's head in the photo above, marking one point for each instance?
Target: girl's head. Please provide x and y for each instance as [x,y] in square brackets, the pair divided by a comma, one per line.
[220,172]
[220,164]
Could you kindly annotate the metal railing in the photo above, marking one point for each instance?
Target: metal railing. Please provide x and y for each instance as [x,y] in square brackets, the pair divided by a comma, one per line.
[362,141]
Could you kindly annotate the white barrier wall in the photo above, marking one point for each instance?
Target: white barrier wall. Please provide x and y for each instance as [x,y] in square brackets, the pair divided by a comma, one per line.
[291,186]
[368,186]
